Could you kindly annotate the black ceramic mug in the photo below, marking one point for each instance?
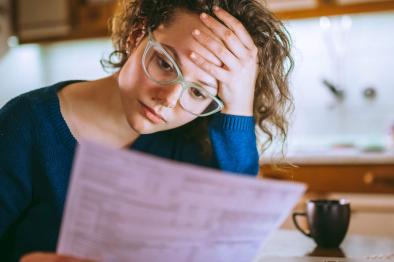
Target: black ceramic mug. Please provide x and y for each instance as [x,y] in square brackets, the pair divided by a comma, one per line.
[328,221]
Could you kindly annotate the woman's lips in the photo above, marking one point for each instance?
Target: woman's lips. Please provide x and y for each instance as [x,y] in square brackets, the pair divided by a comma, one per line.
[151,115]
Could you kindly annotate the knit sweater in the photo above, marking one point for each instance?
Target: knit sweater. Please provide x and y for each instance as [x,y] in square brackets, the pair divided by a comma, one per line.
[36,153]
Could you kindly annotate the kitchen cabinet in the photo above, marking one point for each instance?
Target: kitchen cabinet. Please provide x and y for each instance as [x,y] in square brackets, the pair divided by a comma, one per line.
[294,9]
[41,19]
[325,178]
[51,20]
[284,6]
[368,187]
[91,18]
[5,25]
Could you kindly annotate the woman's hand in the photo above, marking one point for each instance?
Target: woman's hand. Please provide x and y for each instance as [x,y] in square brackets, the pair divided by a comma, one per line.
[238,54]
[50,257]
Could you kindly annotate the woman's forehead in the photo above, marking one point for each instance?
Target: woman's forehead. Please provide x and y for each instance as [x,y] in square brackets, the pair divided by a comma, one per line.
[180,38]
[180,28]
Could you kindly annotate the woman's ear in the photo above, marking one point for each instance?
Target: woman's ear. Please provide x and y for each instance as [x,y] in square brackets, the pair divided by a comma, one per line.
[135,37]
[141,36]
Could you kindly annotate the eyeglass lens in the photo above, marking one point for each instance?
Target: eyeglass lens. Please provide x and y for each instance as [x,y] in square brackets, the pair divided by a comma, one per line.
[160,68]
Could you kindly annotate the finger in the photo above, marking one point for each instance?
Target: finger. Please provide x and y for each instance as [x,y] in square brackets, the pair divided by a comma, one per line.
[209,56]
[218,49]
[236,26]
[38,256]
[228,37]
[50,257]
[217,72]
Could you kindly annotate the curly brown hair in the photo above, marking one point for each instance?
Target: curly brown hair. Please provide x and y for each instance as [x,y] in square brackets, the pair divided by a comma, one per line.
[272,101]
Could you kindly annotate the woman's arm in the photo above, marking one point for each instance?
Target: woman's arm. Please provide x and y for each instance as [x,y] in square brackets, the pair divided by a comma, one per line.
[234,143]
[15,162]
[232,132]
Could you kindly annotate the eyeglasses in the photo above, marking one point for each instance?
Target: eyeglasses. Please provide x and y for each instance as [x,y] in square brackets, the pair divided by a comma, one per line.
[160,67]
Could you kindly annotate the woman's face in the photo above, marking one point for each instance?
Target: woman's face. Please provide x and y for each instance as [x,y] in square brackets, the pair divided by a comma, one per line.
[148,106]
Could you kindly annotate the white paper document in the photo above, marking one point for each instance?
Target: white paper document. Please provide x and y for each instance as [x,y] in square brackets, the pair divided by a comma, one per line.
[128,206]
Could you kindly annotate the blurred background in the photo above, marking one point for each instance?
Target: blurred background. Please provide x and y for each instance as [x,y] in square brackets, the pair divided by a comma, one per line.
[341,137]
[342,83]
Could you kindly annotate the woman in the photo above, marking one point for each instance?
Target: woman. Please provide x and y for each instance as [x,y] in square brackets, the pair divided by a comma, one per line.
[193,80]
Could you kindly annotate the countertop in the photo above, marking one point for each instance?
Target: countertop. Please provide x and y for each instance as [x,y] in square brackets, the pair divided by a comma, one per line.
[333,156]
[291,245]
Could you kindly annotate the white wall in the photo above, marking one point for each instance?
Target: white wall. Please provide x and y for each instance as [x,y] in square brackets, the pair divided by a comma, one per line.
[355,52]
[20,71]
[28,67]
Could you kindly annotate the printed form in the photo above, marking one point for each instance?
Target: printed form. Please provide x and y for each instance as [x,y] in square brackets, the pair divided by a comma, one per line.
[128,206]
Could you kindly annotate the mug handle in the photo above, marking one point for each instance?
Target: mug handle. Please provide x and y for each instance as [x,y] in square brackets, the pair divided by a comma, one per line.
[295,214]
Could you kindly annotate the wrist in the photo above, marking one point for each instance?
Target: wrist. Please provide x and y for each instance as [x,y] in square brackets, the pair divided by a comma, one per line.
[242,111]
[239,112]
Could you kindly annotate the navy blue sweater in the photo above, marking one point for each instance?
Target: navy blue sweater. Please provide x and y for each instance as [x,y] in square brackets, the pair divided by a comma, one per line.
[36,153]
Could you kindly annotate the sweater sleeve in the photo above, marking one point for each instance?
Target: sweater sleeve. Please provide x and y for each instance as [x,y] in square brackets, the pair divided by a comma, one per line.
[15,159]
[234,143]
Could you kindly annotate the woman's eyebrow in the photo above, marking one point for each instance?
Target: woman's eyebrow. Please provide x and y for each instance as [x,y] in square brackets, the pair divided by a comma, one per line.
[208,84]
[173,53]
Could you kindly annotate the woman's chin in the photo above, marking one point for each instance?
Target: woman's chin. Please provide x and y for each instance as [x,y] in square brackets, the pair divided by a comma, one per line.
[142,126]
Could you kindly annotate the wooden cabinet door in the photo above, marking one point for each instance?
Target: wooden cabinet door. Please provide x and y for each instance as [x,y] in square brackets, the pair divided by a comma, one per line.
[287,9]
[42,19]
[5,25]
[338,178]
[333,7]
[353,2]
[91,18]
[291,5]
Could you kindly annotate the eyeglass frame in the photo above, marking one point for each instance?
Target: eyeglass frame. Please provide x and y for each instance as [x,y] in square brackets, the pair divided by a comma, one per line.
[152,42]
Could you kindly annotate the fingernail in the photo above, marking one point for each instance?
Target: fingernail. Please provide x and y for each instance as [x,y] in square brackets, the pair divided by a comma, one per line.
[204,15]
[215,8]
[196,32]
[193,55]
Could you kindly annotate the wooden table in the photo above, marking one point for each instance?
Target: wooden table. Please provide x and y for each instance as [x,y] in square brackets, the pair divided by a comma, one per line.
[291,244]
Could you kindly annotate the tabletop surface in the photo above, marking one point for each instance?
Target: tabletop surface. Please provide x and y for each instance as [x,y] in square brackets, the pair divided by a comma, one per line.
[291,243]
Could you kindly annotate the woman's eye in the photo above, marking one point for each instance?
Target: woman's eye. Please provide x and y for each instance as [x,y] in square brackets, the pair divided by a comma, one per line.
[163,64]
[197,93]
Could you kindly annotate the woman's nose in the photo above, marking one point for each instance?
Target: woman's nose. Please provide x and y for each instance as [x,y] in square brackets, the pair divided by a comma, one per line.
[168,95]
